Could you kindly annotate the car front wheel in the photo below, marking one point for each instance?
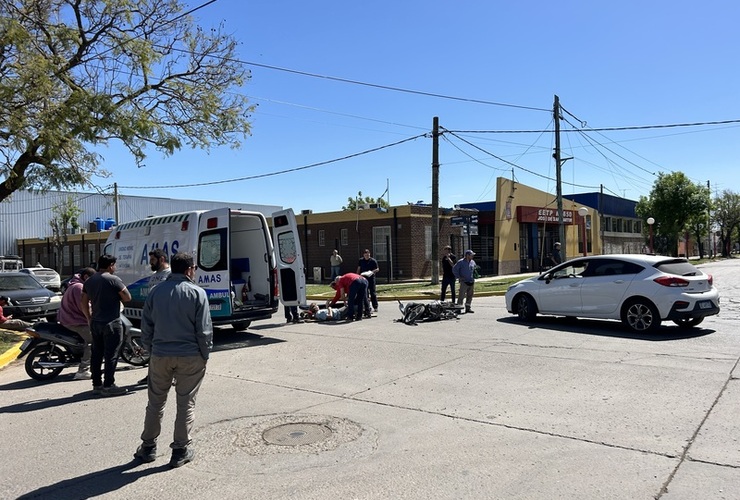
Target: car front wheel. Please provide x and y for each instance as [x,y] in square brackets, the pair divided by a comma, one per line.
[526,308]
[641,316]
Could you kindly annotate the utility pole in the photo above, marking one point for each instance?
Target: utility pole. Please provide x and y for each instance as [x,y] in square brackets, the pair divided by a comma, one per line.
[115,203]
[435,200]
[558,178]
[709,222]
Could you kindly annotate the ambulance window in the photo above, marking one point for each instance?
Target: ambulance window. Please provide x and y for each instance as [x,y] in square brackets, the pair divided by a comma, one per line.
[212,250]
[287,247]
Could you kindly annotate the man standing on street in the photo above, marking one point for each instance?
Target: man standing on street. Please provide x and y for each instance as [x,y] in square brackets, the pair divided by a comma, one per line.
[464,271]
[160,265]
[335,261]
[71,317]
[176,329]
[448,278]
[103,293]
[368,267]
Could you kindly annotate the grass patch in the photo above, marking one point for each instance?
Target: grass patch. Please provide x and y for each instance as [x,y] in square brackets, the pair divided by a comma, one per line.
[420,288]
[8,340]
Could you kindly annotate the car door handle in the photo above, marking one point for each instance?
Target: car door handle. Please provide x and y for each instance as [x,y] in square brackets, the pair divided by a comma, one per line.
[619,282]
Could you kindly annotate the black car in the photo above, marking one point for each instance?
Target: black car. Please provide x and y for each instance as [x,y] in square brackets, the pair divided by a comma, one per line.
[29,299]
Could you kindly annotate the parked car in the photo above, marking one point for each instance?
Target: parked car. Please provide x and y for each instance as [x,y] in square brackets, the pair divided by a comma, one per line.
[639,290]
[47,277]
[29,299]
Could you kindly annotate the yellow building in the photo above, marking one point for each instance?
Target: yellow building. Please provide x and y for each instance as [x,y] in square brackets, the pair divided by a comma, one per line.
[526,224]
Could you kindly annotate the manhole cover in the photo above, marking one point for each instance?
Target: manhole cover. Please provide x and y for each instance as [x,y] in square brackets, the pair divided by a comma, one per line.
[296,434]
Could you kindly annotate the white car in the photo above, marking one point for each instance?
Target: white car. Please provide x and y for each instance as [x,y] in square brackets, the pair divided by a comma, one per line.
[47,277]
[639,290]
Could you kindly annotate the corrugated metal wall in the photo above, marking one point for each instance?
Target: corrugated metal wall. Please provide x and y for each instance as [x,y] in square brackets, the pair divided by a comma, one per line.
[27,214]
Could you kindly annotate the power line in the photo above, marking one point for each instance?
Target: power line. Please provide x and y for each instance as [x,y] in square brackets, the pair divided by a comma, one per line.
[602,129]
[511,163]
[280,172]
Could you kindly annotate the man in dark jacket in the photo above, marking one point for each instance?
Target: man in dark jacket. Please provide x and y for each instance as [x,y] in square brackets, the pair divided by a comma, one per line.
[176,329]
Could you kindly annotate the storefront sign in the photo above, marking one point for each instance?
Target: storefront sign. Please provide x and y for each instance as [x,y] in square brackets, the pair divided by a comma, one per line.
[544,215]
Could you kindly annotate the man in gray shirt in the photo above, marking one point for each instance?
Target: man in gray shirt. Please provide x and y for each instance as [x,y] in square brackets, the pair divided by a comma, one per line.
[176,329]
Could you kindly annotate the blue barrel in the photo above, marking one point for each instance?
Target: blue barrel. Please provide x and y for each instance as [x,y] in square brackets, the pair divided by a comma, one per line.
[99,223]
[110,222]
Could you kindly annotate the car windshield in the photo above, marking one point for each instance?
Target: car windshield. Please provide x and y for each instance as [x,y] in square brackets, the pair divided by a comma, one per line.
[679,267]
[9,283]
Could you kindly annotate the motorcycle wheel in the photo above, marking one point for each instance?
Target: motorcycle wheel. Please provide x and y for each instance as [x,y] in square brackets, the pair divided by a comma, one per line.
[45,353]
[133,352]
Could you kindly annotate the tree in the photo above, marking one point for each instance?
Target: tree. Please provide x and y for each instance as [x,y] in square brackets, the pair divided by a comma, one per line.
[358,201]
[64,219]
[726,216]
[76,75]
[673,200]
[698,222]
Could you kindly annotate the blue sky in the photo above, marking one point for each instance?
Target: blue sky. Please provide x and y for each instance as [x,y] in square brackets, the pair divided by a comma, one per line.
[612,64]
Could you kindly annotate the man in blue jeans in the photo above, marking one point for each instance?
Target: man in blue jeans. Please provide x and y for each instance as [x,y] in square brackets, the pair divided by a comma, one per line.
[176,329]
[102,295]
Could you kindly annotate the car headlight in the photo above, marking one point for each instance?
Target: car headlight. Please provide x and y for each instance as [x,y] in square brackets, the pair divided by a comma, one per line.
[54,299]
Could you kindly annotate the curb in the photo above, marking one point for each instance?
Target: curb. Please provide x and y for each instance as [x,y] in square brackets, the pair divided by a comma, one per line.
[10,355]
[419,296]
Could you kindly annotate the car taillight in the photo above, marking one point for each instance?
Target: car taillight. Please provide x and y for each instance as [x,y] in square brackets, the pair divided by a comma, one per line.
[710,279]
[671,281]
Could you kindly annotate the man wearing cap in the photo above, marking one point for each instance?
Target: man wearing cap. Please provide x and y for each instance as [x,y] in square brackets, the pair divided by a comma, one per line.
[464,272]
[555,257]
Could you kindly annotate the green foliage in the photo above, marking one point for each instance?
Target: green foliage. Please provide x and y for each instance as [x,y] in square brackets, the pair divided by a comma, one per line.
[359,200]
[674,202]
[64,216]
[77,75]
[726,219]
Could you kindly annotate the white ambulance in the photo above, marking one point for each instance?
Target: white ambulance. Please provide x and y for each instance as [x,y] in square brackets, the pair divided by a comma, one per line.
[243,273]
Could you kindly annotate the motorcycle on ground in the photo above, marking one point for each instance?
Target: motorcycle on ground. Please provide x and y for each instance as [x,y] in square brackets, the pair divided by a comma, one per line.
[51,348]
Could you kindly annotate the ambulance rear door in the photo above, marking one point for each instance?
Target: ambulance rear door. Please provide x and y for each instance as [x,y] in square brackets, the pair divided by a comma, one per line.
[289,258]
[213,261]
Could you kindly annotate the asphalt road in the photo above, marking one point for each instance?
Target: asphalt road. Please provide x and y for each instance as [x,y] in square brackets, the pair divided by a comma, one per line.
[481,407]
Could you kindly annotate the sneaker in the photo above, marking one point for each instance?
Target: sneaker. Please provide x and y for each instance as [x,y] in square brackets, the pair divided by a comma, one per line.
[375,309]
[367,315]
[114,390]
[97,390]
[181,456]
[469,311]
[83,375]
[146,453]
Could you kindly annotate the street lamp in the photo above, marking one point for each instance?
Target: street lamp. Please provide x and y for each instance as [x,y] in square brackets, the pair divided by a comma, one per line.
[650,222]
[583,212]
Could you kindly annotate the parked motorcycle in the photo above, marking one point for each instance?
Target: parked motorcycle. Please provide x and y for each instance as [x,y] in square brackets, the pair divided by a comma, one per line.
[51,348]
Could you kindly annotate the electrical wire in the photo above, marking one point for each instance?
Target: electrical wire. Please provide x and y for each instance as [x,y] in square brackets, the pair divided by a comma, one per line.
[280,172]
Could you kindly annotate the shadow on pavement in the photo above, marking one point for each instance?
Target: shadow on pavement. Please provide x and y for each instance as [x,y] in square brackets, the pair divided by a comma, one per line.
[227,339]
[607,328]
[43,404]
[96,483]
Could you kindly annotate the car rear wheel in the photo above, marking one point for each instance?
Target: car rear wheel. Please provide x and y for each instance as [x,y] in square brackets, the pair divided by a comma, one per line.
[688,322]
[640,315]
[526,308]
